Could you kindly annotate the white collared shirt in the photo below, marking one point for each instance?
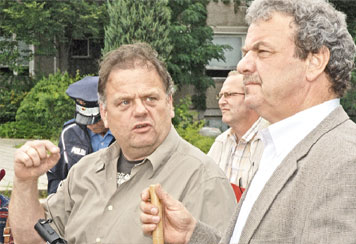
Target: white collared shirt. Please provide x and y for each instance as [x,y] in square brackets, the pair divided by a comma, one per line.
[279,139]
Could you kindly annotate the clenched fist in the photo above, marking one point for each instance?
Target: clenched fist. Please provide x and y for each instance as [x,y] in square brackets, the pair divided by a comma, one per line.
[35,158]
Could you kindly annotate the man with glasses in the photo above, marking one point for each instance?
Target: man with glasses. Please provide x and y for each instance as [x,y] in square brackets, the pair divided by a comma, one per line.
[298,58]
[238,150]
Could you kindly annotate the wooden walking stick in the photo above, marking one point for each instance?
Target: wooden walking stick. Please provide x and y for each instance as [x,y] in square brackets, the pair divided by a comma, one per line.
[157,235]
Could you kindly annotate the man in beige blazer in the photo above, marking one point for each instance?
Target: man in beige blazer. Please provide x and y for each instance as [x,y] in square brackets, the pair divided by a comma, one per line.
[298,58]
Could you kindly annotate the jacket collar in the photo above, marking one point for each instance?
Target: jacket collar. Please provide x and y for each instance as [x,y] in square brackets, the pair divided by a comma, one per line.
[284,172]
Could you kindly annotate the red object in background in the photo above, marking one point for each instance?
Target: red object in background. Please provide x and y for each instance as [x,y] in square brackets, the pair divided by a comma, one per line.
[238,191]
[2,174]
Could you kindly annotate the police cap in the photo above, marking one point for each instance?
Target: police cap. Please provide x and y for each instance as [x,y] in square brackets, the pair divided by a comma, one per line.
[85,94]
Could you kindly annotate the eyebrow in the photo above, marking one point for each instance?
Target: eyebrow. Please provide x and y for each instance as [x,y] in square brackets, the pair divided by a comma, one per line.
[256,46]
[149,93]
[232,92]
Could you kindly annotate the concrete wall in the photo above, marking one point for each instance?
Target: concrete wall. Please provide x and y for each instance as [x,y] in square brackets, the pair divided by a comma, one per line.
[221,14]
[225,22]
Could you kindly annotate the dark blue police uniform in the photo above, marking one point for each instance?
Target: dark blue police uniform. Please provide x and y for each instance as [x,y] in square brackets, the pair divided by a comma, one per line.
[75,141]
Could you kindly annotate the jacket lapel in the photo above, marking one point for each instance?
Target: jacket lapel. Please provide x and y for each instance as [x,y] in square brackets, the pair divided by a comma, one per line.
[284,172]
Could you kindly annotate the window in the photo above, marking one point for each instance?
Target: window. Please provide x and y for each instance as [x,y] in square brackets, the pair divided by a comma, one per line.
[232,57]
[80,48]
[23,59]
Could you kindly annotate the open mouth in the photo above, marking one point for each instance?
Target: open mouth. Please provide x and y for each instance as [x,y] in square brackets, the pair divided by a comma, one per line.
[140,126]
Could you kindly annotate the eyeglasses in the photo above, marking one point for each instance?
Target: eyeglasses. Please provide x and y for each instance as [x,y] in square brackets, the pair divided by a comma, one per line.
[228,94]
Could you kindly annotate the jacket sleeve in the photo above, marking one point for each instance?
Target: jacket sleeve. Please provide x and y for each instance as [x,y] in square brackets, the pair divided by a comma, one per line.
[58,172]
[203,234]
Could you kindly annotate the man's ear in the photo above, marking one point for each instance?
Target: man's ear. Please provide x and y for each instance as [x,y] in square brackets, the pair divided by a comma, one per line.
[170,101]
[317,63]
[103,114]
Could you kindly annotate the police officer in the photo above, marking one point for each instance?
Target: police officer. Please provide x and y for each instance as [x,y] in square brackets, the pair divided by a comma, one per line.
[84,134]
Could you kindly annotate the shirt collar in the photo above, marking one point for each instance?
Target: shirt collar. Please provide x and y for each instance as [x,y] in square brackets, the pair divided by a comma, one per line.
[161,155]
[259,124]
[164,151]
[92,134]
[108,155]
[287,133]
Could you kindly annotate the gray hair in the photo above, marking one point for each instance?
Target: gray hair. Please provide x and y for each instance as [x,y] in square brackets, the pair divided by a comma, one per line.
[318,24]
[131,56]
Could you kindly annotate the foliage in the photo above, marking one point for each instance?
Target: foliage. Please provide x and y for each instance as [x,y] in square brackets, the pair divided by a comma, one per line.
[188,128]
[349,101]
[178,32]
[192,47]
[183,116]
[349,8]
[12,90]
[7,191]
[49,23]
[132,21]
[44,110]
[191,134]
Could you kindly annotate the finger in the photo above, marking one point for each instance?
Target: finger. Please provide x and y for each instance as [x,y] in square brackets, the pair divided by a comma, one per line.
[41,149]
[53,159]
[32,152]
[25,155]
[34,156]
[165,198]
[145,195]
[53,149]
[147,229]
[149,219]
[22,159]
[148,208]
[47,151]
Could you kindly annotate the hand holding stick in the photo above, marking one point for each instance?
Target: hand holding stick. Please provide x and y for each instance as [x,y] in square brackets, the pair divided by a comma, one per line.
[157,235]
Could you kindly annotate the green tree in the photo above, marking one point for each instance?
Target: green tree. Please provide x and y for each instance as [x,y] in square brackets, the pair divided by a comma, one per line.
[349,8]
[133,21]
[178,32]
[43,110]
[192,47]
[47,25]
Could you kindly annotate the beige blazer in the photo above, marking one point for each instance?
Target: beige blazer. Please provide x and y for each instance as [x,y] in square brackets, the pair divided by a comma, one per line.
[310,198]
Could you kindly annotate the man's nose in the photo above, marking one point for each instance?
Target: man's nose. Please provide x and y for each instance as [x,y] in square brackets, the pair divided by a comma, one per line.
[222,100]
[140,107]
[247,63]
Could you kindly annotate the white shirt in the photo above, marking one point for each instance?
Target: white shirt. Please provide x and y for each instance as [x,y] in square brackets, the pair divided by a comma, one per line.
[279,139]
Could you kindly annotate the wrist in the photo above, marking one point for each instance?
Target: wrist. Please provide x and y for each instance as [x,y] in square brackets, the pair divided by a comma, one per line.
[19,182]
[190,231]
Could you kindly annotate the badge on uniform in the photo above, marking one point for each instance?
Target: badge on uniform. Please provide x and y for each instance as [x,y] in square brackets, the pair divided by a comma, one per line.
[79,151]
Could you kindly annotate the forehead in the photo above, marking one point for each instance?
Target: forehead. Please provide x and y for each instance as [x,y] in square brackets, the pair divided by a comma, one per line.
[234,82]
[272,32]
[135,79]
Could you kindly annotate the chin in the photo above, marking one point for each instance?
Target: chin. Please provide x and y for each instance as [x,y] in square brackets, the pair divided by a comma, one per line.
[226,121]
[142,144]
[251,102]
